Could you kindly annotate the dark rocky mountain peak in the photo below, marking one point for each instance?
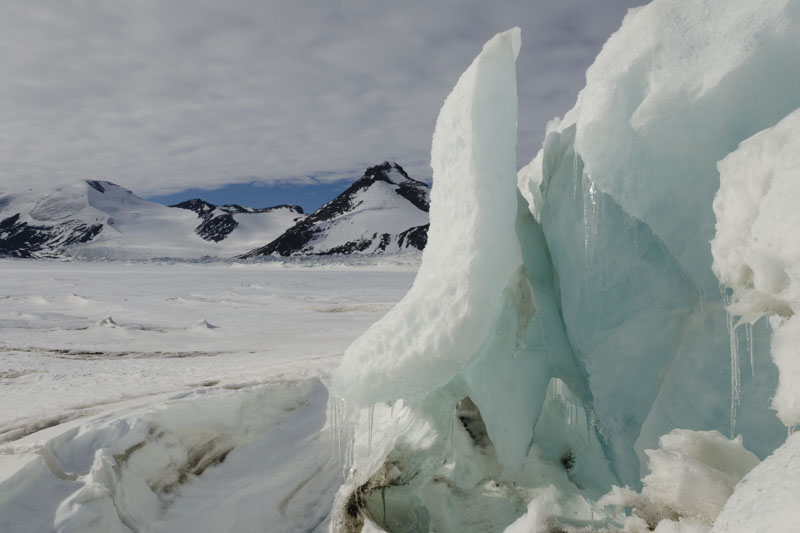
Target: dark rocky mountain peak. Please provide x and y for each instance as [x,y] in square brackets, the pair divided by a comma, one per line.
[307,236]
[218,221]
[201,207]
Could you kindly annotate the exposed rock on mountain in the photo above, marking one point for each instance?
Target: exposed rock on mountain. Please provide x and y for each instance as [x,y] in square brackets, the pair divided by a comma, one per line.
[384,211]
[219,221]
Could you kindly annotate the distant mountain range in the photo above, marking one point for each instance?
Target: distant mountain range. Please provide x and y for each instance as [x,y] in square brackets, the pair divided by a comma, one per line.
[384,211]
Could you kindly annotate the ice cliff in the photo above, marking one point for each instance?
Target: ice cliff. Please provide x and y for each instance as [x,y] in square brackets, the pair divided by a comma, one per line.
[568,318]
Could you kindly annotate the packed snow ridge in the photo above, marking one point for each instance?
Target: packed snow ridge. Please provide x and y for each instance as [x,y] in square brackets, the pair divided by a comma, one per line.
[572,347]
[383,212]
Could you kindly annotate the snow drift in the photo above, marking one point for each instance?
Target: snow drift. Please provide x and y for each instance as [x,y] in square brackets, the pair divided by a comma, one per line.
[194,462]
[567,319]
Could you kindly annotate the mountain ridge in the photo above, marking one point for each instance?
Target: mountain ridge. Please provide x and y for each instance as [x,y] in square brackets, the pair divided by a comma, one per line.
[99,219]
[407,197]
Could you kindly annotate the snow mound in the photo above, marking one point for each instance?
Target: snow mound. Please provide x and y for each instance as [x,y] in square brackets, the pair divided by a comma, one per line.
[535,519]
[107,322]
[766,499]
[202,324]
[756,250]
[194,463]
[692,475]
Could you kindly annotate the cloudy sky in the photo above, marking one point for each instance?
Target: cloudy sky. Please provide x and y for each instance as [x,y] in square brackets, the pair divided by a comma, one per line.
[162,96]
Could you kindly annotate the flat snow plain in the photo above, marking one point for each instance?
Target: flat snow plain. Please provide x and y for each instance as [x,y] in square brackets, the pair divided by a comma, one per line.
[176,396]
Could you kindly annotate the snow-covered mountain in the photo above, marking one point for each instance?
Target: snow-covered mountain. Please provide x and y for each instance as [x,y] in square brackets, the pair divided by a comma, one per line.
[98,219]
[384,211]
[219,222]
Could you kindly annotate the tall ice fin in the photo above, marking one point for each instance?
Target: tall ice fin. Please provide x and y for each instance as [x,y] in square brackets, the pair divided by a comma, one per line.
[449,314]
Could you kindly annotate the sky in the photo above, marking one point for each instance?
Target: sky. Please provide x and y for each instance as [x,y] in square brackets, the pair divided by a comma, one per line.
[255,97]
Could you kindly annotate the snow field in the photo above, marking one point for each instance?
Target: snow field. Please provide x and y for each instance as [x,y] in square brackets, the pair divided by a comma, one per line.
[202,404]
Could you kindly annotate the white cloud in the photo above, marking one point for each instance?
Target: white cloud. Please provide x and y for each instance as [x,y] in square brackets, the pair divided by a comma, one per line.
[161,96]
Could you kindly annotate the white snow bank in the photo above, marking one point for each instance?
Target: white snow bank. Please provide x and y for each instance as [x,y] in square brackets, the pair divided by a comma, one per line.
[197,462]
[692,475]
[756,249]
[766,500]
[535,519]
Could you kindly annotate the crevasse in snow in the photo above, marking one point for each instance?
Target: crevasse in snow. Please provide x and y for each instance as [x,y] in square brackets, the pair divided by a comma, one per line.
[567,317]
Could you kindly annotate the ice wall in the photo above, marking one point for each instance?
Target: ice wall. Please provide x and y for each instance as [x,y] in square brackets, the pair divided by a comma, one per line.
[566,318]
[624,187]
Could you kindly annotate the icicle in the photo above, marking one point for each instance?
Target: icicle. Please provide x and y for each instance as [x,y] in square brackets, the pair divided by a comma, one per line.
[561,392]
[576,177]
[332,425]
[371,418]
[568,407]
[590,219]
[348,453]
[631,226]
[736,378]
[573,414]
[591,223]
[453,434]
[749,334]
[344,436]
[338,429]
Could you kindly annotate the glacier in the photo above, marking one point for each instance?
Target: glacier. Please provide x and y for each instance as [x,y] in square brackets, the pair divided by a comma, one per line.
[569,318]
